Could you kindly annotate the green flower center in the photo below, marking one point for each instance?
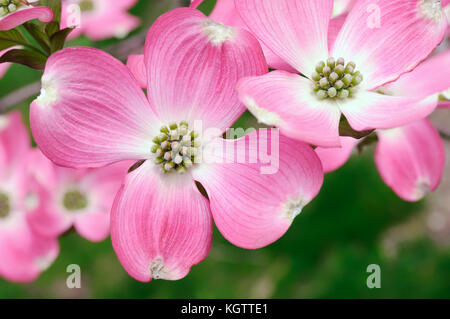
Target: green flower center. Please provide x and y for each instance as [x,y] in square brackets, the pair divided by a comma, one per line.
[5,207]
[86,5]
[176,147]
[8,6]
[74,200]
[335,79]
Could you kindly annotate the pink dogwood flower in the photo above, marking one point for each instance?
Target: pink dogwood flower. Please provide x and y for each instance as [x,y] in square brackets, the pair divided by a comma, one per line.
[79,198]
[23,253]
[16,12]
[372,48]
[92,112]
[410,158]
[99,19]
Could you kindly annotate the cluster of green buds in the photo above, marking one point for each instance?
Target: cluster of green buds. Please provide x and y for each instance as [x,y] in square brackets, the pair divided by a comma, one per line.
[8,6]
[176,147]
[4,205]
[74,200]
[335,79]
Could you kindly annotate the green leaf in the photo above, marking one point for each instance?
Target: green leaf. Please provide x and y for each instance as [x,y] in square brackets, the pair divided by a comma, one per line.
[11,38]
[58,40]
[346,130]
[51,28]
[32,59]
[38,34]
[55,5]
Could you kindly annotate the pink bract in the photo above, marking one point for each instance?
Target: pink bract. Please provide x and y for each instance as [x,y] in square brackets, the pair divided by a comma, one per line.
[25,13]
[92,112]
[23,253]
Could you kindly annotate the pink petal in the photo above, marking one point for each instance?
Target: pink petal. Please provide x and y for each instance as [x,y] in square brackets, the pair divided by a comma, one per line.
[12,20]
[405,34]
[103,184]
[254,202]
[137,66]
[190,59]
[93,226]
[14,138]
[225,11]
[105,21]
[3,68]
[444,105]
[24,254]
[160,225]
[47,218]
[427,79]
[50,218]
[334,28]
[286,100]
[369,110]
[122,4]
[411,159]
[195,3]
[91,111]
[294,30]
[334,158]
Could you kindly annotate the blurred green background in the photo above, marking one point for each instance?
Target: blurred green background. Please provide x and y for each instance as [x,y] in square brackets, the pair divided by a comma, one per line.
[354,222]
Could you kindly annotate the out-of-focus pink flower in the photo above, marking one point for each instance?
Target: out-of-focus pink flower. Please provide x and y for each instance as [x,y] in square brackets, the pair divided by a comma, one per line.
[373,47]
[23,253]
[92,112]
[80,198]
[99,19]
[410,158]
[17,12]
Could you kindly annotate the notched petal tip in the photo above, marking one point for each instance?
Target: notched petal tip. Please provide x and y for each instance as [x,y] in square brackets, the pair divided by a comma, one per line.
[49,93]
[431,9]
[158,270]
[217,32]
[423,188]
[292,208]
[44,263]
[4,122]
